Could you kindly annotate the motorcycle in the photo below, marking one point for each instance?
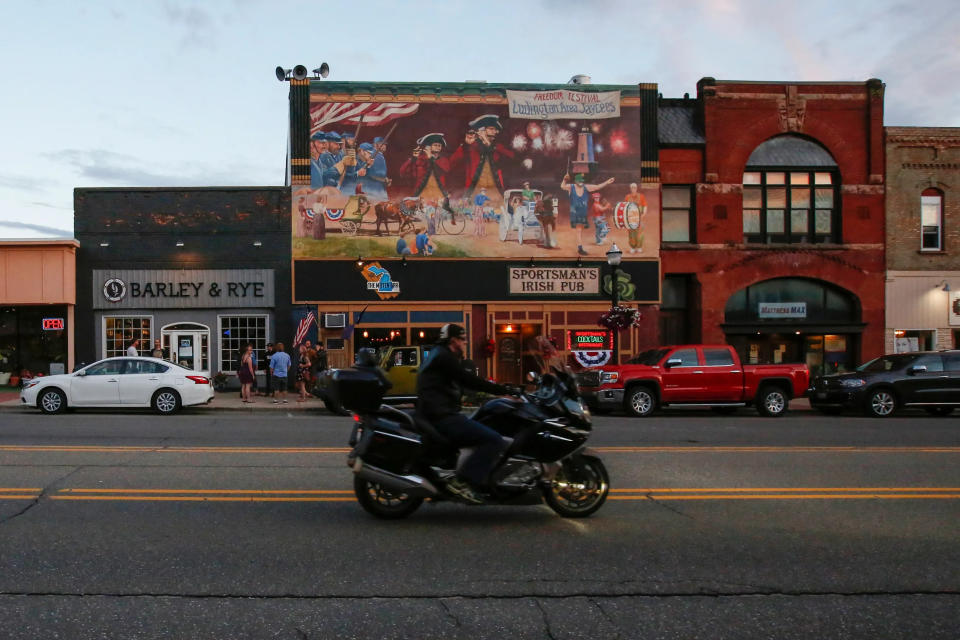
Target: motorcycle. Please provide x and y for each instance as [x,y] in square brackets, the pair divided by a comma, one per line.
[399,460]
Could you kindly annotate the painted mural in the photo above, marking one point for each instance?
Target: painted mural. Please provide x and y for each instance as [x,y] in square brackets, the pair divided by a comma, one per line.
[552,173]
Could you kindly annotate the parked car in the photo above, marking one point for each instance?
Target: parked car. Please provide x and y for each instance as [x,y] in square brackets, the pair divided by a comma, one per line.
[693,375]
[127,382]
[928,380]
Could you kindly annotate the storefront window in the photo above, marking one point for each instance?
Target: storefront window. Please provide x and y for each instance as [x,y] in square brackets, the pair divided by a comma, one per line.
[379,337]
[910,340]
[235,333]
[121,331]
[33,339]
[424,335]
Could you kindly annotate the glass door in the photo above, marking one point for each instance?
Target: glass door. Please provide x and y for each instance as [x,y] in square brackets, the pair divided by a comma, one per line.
[184,349]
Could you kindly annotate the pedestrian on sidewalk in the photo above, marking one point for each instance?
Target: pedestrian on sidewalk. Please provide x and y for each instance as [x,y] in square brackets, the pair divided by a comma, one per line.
[132,349]
[268,389]
[303,373]
[247,373]
[157,351]
[279,366]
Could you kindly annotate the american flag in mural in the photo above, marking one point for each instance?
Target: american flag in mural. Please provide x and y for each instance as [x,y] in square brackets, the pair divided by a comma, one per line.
[303,327]
[373,113]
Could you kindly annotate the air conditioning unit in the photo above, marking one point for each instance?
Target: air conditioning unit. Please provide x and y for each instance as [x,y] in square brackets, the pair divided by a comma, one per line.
[334,320]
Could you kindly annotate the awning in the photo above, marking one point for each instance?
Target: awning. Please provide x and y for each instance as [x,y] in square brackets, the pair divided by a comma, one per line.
[747,329]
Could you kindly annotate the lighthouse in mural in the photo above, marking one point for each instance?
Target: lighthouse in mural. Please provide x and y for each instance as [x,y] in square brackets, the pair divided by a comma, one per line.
[586,162]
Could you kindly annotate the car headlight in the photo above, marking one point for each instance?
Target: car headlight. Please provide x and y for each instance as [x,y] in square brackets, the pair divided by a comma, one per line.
[32,383]
[609,377]
[852,383]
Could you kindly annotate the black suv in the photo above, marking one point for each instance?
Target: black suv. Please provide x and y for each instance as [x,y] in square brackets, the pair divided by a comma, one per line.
[927,380]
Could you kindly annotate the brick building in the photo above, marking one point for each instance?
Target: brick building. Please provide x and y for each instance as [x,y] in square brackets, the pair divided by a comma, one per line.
[923,238]
[773,220]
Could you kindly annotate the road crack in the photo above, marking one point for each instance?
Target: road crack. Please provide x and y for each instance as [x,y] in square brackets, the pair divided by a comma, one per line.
[40,496]
[650,497]
[546,619]
[606,616]
[449,612]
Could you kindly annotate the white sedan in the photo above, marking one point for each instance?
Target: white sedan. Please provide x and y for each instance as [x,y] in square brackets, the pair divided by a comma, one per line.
[126,382]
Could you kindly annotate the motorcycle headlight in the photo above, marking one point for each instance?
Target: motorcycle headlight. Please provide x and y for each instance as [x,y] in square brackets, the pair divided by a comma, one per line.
[853,383]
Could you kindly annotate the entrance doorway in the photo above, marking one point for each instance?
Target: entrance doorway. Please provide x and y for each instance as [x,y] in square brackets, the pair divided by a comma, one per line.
[187,344]
[516,352]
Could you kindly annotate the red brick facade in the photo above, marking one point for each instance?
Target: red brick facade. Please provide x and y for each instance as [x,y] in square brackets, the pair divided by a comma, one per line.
[735,118]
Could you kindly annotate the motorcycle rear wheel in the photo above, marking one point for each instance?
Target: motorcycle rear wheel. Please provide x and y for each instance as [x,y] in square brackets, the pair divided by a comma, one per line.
[383,503]
[579,488]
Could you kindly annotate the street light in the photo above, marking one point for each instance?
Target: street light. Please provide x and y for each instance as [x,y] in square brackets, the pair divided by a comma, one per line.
[614,256]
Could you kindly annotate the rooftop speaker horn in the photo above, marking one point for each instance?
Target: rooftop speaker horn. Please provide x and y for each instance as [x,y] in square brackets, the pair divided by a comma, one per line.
[282,73]
[300,72]
[323,70]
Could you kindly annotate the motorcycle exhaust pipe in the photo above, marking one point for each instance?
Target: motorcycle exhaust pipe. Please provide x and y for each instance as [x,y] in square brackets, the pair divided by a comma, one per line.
[414,486]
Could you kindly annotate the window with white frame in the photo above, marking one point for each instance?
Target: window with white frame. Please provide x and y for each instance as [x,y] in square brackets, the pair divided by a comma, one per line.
[235,333]
[119,332]
[931,220]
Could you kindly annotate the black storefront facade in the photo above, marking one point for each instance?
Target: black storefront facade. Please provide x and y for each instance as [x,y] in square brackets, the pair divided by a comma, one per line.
[204,270]
[504,305]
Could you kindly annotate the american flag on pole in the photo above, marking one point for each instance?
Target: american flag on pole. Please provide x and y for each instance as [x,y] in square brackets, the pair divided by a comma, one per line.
[373,113]
[303,327]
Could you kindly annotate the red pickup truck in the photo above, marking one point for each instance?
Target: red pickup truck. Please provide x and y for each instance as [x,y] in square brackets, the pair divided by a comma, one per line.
[703,375]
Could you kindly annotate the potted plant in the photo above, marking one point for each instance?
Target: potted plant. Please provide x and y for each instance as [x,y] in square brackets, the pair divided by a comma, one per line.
[220,381]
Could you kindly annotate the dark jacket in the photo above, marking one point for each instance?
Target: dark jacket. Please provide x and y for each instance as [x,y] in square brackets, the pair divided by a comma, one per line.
[441,381]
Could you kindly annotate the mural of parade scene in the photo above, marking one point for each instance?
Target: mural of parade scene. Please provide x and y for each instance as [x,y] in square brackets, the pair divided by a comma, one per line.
[475,180]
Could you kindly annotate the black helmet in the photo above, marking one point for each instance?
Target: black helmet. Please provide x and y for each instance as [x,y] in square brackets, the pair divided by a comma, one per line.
[366,357]
[449,331]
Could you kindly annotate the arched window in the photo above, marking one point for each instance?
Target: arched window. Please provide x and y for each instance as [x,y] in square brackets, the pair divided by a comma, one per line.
[791,193]
[931,220]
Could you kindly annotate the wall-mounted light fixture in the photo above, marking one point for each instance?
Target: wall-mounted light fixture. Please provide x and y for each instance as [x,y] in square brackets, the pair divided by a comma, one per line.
[179,243]
[944,284]
[257,243]
[104,244]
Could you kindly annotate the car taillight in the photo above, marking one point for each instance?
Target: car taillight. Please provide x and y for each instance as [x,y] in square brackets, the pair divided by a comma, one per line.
[199,379]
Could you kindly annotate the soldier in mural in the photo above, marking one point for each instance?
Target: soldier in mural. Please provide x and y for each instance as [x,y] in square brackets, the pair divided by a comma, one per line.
[371,178]
[426,168]
[483,168]
[329,160]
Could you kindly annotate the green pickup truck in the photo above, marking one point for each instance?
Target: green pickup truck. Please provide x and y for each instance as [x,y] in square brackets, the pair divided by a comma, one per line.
[399,364]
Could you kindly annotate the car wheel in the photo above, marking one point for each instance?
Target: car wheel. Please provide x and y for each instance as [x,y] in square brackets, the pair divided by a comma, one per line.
[166,402]
[640,402]
[772,402]
[939,411]
[881,403]
[52,401]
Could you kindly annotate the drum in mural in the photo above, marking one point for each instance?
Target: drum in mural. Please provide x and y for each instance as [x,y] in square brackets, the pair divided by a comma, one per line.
[626,215]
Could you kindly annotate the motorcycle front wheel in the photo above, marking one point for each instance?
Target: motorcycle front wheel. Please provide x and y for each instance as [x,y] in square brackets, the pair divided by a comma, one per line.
[383,503]
[579,488]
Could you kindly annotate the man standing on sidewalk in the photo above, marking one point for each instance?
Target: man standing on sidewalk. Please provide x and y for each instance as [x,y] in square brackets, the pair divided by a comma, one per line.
[279,365]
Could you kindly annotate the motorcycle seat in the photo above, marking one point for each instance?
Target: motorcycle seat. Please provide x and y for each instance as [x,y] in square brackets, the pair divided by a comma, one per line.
[422,426]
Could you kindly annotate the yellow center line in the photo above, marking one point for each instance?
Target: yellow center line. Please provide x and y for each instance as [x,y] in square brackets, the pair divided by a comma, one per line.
[224,491]
[9,496]
[782,489]
[796,496]
[19,489]
[610,449]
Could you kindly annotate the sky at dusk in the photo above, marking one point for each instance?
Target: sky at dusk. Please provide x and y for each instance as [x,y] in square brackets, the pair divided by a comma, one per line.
[177,93]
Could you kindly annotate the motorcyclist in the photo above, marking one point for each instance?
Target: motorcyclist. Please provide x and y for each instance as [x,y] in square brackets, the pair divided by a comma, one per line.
[440,385]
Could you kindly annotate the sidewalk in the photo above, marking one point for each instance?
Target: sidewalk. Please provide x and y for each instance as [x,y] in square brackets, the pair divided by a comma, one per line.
[230,401]
[222,401]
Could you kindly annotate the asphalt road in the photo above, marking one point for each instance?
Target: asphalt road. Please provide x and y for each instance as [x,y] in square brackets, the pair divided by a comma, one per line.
[236,525]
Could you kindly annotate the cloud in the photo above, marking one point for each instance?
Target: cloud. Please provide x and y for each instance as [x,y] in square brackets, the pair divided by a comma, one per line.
[37,228]
[108,168]
[20,182]
[199,26]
